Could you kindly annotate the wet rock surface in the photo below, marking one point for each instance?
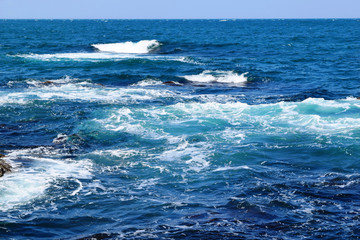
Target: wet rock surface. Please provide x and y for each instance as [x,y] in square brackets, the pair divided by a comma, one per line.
[4,166]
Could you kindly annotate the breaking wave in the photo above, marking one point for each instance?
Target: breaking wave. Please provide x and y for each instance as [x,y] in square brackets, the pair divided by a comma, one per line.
[144,46]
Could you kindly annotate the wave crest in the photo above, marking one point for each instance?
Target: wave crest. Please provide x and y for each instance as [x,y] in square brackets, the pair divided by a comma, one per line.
[144,46]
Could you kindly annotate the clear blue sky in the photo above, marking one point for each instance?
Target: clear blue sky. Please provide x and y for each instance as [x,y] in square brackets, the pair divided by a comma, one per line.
[120,9]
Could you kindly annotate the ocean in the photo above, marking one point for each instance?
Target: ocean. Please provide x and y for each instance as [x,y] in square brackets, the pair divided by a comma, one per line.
[180,129]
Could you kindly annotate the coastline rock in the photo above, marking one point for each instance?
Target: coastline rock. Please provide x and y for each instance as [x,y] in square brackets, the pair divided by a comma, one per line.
[4,166]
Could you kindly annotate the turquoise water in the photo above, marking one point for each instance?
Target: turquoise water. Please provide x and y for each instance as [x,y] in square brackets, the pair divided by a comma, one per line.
[180,129]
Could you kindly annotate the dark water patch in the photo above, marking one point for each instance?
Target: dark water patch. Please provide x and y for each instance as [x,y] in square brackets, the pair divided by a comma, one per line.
[99,236]
[316,93]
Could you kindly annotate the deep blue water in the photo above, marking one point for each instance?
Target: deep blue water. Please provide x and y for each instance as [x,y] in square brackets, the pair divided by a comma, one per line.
[254,135]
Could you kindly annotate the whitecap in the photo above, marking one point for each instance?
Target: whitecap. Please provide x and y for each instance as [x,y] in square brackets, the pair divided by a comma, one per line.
[208,76]
[143,46]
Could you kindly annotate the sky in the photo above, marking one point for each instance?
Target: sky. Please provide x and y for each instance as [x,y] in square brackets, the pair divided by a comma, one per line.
[177,9]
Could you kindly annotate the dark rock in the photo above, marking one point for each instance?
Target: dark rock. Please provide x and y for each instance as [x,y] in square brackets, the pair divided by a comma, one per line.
[4,166]
[171,83]
[8,127]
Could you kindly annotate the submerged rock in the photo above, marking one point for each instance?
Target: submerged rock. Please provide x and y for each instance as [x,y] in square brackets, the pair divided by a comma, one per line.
[4,166]
[48,82]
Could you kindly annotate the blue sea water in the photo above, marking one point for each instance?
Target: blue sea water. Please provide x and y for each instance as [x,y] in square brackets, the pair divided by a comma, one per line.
[180,129]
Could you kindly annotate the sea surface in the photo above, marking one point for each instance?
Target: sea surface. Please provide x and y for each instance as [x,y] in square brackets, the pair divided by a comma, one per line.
[180,129]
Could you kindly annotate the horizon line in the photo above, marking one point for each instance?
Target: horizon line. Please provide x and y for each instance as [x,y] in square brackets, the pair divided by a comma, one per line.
[286,18]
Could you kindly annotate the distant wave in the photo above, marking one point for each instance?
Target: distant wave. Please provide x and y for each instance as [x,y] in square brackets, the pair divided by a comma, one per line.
[102,56]
[112,52]
[144,46]
[217,76]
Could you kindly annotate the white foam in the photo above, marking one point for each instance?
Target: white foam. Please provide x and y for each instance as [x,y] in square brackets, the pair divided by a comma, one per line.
[312,116]
[82,91]
[233,135]
[230,123]
[321,116]
[144,46]
[42,169]
[125,120]
[119,153]
[152,82]
[217,76]
[196,155]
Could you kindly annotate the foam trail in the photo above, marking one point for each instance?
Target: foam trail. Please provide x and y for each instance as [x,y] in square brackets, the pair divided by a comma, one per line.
[78,90]
[144,46]
[80,56]
[100,57]
[151,82]
[217,76]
